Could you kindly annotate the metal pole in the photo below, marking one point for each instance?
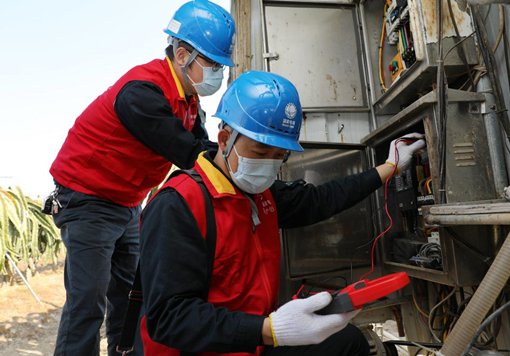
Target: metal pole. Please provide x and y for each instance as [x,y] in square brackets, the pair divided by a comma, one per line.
[488,2]
[13,264]
[494,137]
[264,39]
[481,219]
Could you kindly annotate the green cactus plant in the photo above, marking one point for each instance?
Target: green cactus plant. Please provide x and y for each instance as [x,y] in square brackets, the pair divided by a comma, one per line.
[26,234]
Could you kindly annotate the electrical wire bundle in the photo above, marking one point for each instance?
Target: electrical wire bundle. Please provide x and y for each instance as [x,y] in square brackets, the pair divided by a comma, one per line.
[405,43]
[429,256]
[425,186]
[486,58]
[409,221]
[450,302]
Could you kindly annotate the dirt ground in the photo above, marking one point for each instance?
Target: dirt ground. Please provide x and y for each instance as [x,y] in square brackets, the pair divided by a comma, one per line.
[28,327]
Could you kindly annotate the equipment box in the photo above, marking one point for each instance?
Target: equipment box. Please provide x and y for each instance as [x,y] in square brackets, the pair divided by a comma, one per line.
[345,241]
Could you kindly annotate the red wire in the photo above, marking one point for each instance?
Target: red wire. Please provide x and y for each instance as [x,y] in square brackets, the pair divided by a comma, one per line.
[407,39]
[387,212]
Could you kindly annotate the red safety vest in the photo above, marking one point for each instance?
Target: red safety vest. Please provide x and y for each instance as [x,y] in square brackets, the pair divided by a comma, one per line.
[250,287]
[100,157]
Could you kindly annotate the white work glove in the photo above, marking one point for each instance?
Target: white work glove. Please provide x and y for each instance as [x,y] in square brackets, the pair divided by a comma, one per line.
[295,323]
[405,151]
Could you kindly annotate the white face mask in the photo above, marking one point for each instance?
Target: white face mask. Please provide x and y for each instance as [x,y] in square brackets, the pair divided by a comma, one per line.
[254,175]
[211,81]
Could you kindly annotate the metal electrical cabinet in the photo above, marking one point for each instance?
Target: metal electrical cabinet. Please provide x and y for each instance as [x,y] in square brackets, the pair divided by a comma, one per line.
[337,54]
[366,71]
[330,247]
[341,60]
[469,178]
[414,27]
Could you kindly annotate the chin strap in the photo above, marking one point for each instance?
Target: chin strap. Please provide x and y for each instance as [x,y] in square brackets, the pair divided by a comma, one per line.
[254,212]
[231,141]
[233,136]
[184,68]
[230,144]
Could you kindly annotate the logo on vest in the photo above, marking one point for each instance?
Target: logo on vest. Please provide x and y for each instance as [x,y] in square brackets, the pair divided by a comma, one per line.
[267,206]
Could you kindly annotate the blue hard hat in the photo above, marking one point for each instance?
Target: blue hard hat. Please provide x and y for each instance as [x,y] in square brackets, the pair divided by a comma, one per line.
[264,107]
[207,27]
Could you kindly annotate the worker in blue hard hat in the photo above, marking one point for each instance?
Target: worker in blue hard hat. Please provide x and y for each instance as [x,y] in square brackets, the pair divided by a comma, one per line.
[209,261]
[120,147]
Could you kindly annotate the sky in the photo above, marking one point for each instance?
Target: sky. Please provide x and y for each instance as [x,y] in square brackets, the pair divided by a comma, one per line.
[56,57]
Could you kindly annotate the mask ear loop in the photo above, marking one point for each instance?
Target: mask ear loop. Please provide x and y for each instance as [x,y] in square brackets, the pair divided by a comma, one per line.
[184,68]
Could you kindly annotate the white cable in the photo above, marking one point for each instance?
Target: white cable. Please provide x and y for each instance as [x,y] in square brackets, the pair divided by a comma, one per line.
[435,352]
[432,313]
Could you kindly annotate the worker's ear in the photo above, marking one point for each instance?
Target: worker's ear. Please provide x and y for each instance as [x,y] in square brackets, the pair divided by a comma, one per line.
[223,136]
[181,56]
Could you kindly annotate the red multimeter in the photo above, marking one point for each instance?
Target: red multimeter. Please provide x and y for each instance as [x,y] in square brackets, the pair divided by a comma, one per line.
[360,293]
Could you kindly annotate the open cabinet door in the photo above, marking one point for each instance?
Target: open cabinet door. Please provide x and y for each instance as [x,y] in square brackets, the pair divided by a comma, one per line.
[326,249]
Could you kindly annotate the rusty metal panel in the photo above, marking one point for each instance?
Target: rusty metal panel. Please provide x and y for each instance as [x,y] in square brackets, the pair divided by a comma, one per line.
[431,134]
[429,20]
[469,172]
[317,47]
[417,29]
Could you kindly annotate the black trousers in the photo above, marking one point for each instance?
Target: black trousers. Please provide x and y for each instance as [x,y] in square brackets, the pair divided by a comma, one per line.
[347,342]
[102,242]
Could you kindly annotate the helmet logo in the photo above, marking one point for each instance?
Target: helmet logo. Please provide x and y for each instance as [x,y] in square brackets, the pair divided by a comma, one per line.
[290,110]
[232,45]
[174,26]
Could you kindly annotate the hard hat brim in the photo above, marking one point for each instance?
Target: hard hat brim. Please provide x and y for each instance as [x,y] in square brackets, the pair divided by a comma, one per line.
[227,61]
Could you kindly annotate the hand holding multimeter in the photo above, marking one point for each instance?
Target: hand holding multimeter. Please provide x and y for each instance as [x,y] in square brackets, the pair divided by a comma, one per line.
[356,295]
[296,323]
[314,319]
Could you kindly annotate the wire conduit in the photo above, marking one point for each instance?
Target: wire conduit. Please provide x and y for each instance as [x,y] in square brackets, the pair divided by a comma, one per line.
[480,304]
